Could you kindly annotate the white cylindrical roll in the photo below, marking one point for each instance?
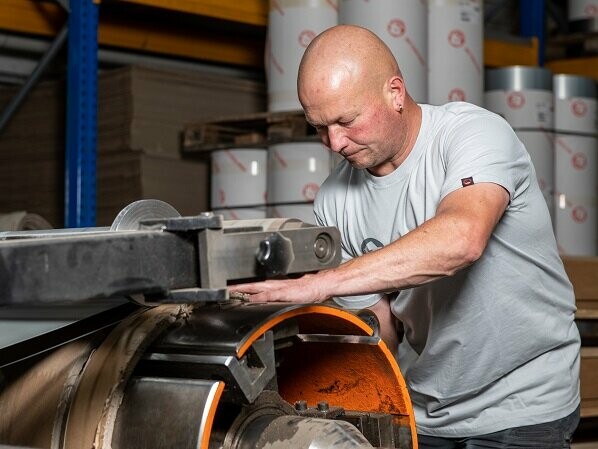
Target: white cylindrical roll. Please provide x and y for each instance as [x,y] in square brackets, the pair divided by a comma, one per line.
[530,109]
[244,213]
[575,192]
[296,171]
[304,212]
[575,104]
[575,228]
[539,145]
[575,159]
[455,51]
[522,95]
[403,27]
[582,9]
[239,177]
[292,26]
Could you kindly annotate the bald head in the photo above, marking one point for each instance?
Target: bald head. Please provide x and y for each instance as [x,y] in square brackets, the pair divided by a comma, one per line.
[344,56]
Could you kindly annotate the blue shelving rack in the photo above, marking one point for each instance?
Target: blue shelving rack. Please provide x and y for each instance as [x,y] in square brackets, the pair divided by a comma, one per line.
[532,23]
[81,131]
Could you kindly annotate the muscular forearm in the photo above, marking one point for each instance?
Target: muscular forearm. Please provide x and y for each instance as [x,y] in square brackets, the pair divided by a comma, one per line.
[440,247]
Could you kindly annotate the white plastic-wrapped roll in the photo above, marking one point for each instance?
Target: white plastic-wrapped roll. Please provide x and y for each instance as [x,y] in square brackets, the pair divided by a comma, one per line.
[402,25]
[582,9]
[575,228]
[239,177]
[304,212]
[539,145]
[291,27]
[296,171]
[245,213]
[575,190]
[575,104]
[455,51]
[575,165]
[522,95]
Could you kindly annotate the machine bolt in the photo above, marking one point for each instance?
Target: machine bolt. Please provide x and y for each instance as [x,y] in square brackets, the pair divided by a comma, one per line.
[323,406]
[301,405]
[322,247]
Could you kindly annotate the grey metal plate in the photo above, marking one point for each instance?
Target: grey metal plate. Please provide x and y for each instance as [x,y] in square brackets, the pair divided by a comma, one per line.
[160,413]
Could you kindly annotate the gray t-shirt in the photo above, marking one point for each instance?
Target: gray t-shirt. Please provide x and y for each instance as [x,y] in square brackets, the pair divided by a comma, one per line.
[494,346]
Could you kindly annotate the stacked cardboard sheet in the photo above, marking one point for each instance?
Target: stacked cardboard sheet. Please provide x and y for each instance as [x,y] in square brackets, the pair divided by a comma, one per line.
[141,113]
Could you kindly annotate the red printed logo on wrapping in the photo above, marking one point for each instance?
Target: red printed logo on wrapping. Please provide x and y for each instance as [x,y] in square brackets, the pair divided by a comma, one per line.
[456,95]
[310,190]
[396,28]
[305,37]
[579,161]
[579,214]
[456,38]
[221,196]
[579,108]
[516,100]
[591,10]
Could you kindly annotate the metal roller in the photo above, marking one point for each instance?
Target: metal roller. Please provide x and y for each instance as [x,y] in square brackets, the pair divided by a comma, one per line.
[224,376]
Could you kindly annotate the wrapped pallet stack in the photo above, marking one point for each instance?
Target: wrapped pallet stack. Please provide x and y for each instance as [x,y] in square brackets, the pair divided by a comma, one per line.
[403,26]
[239,179]
[455,51]
[523,96]
[576,157]
[296,170]
[292,24]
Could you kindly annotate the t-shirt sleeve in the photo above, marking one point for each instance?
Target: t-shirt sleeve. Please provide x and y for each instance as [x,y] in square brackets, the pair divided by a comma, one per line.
[347,302]
[484,148]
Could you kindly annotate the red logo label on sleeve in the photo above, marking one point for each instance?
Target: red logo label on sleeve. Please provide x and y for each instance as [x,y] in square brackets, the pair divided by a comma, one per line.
[467,181]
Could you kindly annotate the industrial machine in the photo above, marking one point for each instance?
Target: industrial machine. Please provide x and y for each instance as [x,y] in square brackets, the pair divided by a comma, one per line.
[171,361]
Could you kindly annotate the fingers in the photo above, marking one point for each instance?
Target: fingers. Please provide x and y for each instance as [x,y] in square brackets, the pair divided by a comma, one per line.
[266,297]
[252,288]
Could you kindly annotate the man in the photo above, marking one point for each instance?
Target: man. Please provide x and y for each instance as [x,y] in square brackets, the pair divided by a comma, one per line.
[439,210]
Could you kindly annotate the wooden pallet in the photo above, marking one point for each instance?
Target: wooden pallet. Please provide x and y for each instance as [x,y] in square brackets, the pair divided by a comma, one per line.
[583,273]
[589,382]
[251,130]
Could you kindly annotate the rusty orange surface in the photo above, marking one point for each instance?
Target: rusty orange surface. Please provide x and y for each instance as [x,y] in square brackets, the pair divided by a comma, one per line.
[355,376]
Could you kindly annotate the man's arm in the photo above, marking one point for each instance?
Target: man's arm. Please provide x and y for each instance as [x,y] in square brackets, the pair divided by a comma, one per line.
[452,240]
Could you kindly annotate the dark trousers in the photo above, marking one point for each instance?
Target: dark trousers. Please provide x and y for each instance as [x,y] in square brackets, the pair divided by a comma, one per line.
[551,435]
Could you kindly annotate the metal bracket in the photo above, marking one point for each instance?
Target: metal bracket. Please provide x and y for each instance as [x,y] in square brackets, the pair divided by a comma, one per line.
[245,378]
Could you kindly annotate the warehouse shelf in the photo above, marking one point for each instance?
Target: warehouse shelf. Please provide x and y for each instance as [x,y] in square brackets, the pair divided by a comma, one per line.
[188,40]
[500,52]
[576,66]
[134,31]
[253,12]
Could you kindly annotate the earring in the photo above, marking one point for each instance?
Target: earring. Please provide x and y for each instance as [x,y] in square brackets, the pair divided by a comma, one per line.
[401,108]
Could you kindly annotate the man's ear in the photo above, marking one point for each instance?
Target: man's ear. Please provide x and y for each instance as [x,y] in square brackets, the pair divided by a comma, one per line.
[397,92]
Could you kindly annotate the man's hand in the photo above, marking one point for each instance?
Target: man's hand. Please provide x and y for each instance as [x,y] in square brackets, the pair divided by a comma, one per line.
[309,288]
